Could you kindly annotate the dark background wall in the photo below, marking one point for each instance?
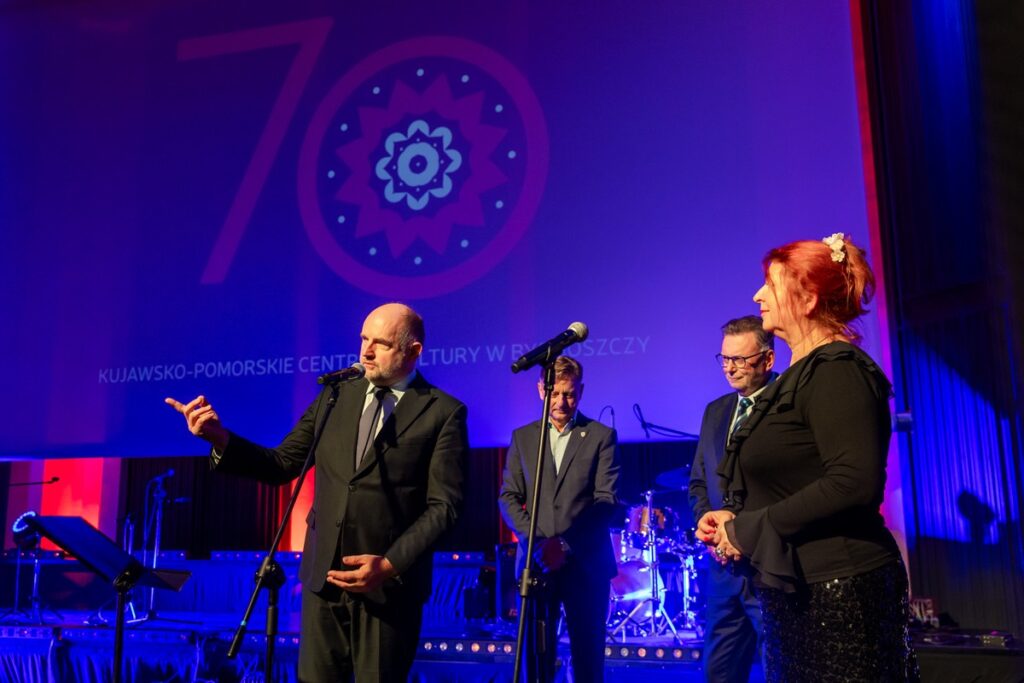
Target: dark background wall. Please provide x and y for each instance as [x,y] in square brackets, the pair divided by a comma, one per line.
[217,512]
[946,101]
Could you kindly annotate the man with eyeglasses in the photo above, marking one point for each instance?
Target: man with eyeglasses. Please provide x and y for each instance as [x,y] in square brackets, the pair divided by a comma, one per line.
[733,614]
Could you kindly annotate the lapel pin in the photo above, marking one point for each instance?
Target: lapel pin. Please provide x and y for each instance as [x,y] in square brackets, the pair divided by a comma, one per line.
[582,434]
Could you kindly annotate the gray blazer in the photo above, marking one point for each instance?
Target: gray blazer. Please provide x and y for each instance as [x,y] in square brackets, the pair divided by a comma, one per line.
[579,503]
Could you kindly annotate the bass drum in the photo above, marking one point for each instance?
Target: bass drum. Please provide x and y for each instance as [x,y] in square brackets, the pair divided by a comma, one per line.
[631,587]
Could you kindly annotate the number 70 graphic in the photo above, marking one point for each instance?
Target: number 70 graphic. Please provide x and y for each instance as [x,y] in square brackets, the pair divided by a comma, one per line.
[522,155]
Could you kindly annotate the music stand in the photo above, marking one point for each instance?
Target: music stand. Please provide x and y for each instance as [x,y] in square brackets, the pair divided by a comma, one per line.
[107,560]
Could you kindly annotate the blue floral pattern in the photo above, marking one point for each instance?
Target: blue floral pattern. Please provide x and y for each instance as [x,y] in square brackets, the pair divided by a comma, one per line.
[418,165]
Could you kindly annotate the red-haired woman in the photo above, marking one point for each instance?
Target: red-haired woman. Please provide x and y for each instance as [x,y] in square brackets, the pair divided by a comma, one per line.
[805,477]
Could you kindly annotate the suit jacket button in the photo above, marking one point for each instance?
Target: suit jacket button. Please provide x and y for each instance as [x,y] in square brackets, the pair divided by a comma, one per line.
[351,487]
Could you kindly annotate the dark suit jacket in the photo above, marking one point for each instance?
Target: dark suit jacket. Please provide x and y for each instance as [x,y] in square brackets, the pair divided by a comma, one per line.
[405,494]
[706,487]
[578,504]
[728,645]
[705,491]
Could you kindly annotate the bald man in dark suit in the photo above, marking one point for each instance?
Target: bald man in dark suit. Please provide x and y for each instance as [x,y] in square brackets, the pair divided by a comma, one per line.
[389,476]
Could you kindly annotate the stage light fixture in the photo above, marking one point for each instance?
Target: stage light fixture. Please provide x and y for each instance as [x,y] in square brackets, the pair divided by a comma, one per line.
[25,537]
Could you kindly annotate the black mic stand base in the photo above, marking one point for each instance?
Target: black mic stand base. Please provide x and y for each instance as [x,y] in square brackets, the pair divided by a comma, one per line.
[527,584]
[270,574]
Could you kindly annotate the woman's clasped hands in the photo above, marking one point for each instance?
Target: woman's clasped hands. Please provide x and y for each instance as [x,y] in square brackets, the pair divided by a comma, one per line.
[711,531]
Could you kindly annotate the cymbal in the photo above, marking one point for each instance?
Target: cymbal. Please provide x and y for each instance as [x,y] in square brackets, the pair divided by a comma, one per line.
[677,479]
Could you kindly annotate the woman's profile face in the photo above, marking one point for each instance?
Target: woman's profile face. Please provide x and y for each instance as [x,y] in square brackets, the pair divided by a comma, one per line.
[778,304]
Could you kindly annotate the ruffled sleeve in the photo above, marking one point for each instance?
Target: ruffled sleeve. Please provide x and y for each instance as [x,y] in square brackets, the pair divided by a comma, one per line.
[772,557]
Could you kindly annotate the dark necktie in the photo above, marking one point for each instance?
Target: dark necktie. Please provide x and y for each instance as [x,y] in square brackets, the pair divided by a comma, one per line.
[742,414]
[368,422]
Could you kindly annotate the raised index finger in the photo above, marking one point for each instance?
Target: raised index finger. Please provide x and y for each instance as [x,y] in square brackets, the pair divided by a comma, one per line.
[185,409]
[177,405]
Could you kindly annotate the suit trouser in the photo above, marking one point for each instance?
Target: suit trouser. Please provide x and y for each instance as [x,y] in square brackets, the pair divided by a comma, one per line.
[733,627]
[585,598]
[344,635]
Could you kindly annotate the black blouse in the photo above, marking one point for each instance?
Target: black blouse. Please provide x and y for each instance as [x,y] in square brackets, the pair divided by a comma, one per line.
[806,472]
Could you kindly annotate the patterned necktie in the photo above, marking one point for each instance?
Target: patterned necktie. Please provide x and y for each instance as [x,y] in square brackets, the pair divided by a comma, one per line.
[742,414]
[368,423]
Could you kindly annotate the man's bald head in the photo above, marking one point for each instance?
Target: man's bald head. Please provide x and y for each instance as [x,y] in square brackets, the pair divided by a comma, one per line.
[392,340]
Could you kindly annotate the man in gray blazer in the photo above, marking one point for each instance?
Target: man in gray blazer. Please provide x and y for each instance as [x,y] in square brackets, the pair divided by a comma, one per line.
[733,613]
[577,503]
[389,476]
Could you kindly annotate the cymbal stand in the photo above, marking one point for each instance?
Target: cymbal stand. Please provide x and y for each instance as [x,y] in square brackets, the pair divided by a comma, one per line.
[689,575]
[659,618]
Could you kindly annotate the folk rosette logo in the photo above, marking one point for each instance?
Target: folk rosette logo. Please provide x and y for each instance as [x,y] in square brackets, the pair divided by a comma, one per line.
[422,167]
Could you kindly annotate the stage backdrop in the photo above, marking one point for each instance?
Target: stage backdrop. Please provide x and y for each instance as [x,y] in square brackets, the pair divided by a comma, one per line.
[208,198]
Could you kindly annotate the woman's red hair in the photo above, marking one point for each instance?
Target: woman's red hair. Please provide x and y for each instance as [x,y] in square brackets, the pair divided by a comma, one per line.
[843,288]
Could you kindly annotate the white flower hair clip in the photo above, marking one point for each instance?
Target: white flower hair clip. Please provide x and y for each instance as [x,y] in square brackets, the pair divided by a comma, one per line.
[837,245]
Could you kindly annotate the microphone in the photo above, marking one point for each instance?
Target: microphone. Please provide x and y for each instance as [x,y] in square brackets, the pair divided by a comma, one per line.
[355,371]
[51,480]
[547,351]
[165,475]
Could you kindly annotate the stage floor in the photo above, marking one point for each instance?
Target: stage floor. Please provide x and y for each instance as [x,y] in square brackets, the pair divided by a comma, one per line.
[191,646]
[188,637]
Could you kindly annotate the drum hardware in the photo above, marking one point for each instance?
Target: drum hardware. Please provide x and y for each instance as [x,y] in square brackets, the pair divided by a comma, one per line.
[677,479]
[640,580]
[689,577]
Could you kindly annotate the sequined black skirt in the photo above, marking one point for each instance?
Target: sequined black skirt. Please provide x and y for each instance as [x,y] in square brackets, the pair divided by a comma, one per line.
[850,629]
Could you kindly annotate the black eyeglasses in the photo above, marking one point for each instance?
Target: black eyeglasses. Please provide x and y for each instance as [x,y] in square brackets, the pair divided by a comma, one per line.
[739,361]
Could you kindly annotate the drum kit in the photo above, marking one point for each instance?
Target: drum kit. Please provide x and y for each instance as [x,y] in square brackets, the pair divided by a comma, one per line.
[653,548]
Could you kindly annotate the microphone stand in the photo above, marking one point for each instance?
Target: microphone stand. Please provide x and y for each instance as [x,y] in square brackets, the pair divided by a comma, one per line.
[658,430]
[159,496]
[270,575]
[526,581]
